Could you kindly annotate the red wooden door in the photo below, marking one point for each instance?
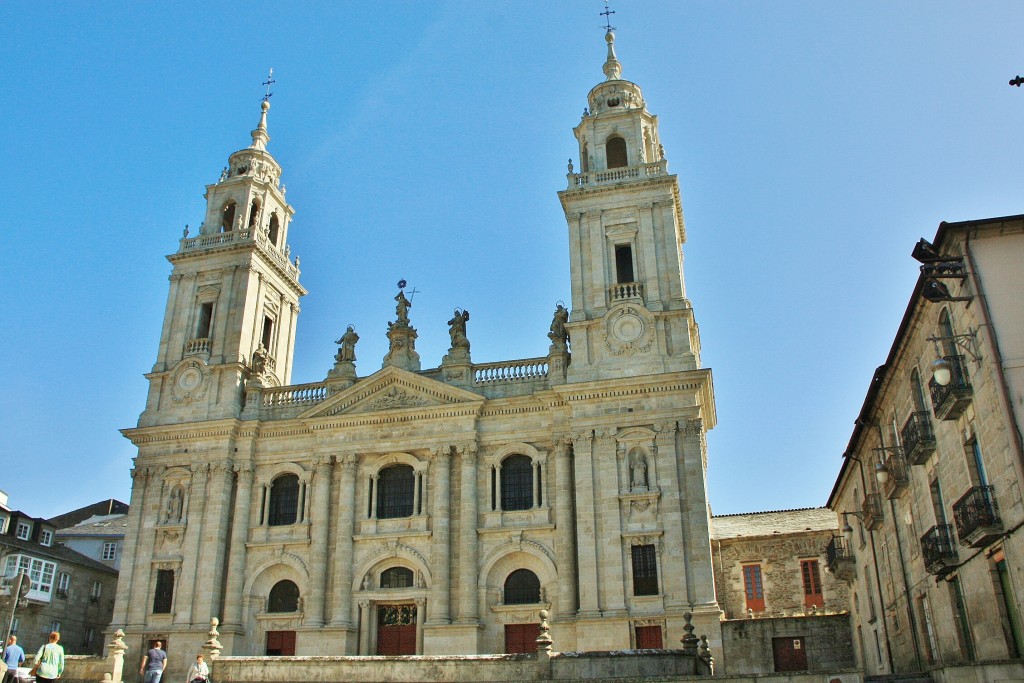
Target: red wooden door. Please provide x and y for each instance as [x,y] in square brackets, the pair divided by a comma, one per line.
[521,638]
[648,638]
[790,654]
[280,643]
[396,630]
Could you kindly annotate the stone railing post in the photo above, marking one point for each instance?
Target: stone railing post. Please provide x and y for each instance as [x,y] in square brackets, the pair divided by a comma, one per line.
[115,657]
[544,645]
[212,646]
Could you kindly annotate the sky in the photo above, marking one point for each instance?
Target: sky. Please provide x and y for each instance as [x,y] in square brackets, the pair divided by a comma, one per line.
[814,142]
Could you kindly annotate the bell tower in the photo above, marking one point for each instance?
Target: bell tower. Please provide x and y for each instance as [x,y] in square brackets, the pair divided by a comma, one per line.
[234,296]
[630,315]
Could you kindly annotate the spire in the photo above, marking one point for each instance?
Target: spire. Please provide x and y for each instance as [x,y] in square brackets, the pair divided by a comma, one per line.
[260,136]
[612,67]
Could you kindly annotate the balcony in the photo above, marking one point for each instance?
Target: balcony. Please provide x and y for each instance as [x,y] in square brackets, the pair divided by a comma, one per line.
[871,511]
[626,291]
[618,175]
[950,401]
[200,345]
[918,438]
[938,549]
[899,474]
[977,517]
[839,560]
[61,593]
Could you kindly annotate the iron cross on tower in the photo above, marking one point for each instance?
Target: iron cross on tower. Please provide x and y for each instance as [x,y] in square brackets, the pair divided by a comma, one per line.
[269,82]
[607,14]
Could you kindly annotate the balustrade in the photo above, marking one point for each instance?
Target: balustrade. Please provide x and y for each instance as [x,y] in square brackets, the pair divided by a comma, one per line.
[297,394]
[511,371]
[200,345]
[614,175]
[626,290]
[871,511]
[899,474]
[839,560]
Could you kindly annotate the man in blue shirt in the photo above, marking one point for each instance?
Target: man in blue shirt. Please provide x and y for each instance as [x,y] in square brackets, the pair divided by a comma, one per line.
[153,664]
[14,656]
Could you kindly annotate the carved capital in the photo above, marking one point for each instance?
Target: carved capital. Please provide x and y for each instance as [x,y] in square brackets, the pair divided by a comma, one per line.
[694,427]
[323,464]
[349,462]
[581,440]
[442,453]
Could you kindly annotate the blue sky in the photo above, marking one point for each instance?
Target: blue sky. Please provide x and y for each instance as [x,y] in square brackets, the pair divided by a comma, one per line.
[815,142]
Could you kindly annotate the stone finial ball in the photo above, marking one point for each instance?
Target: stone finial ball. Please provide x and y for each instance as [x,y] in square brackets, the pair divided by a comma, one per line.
[543,614]
[215,622]
[609,37]
[266,105]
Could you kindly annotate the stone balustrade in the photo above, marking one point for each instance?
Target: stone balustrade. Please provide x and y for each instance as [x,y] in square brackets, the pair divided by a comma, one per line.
[619,175]
[511,371]
[201,345]
[296,394]
[239,236]
[624,291]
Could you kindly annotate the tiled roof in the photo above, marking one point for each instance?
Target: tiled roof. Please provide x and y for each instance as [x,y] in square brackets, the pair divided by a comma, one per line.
[773,523]
[57,553]
[107,525]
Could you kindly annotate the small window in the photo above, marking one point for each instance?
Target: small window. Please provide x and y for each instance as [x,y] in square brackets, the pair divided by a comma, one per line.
[63,584]
[205,320]
[284,500]
[227,217]
[46,537]
[753,587]
[275,228]
[109,550]
[164,593]
[395,492]
[624,263]
[284,597]
[24,531]
[268,333]
[645,570]
[522,587]
[517,483]
[15,623]
[254,213]
[811,576]
[90,635]
[95,592]
[615,149]
[55,626]
[396,577]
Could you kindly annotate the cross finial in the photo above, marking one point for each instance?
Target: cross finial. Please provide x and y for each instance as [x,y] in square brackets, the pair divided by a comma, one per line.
[269,82]
[1017,81]
[607,14]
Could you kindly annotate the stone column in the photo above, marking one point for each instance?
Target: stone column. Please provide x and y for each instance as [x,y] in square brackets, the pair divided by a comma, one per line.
[673,510]
[695,519]
[321,504]
[237,553]
[564,551]
[134,569]
[609,529]
[373,495]
[185,594]
[420,608]
[440,552]
[586,529]
[213,548]
[341,614]
[468,608]
[364,627]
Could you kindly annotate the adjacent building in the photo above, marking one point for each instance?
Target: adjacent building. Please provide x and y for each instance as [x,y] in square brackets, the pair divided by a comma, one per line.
[429,510]
[930,488]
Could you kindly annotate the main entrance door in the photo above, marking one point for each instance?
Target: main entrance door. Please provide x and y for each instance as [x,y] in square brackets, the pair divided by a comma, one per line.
[396,630]
[521,638]
[280,643]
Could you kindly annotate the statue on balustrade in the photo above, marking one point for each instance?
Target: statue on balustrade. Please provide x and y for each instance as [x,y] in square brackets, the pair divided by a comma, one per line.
[558,335]
[457,330]
[347,351]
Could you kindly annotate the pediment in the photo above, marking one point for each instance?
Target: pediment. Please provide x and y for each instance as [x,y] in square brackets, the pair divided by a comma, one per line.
[392,389]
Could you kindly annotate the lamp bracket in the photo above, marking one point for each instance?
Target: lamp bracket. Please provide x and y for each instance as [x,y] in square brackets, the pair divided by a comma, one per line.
[967,341]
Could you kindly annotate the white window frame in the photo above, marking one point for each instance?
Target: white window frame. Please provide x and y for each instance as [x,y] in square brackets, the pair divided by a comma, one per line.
[41,572]
[109,550]
[15,623]
[64,583]
[3,523]
[24,531]
[46,537]
[96,591]
[54,626]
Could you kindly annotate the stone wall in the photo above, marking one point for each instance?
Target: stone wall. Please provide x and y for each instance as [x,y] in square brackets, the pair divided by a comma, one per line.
[747,643]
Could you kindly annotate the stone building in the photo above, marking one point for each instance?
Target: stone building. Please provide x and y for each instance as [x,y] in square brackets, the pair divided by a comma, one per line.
[70,592]
[436,510]
[783,611]
[930,487]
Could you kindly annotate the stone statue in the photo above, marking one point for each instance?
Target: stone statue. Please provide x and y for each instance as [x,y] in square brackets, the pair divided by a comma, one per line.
[570,165]
[558,334]
[185,232]
[402,309]
[223,174]
[638,470]
[457,330]
[259,359]
[174,505]
[661,151]
[348,345]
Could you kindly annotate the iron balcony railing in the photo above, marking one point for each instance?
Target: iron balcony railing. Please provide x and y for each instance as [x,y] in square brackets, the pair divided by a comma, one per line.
[871,511]
[950,401]
[838,558]
[977,517]
[938,549]
[899,473]
[918,437]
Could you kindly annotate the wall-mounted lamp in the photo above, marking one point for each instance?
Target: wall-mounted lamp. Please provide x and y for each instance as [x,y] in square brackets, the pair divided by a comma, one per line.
[942,368]
[847,529]
[935,267]
[881,474]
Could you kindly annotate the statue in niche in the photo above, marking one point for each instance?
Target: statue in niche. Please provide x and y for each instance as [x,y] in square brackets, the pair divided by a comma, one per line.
[347,350]
[174,505]
[558,334]
[638,469]
[457,330]
[366,582]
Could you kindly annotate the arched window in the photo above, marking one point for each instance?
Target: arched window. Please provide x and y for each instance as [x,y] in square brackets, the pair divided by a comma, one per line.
[284,597]
[274,229]
[585,159]
[254,212]
[516,483]
[395,486]
[917,389]
[284,501]
[946,331]
[227,217]
[615,151]
[396,577]
[522,587]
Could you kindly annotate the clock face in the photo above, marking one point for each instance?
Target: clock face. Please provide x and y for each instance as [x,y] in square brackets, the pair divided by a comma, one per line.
[629,330]
[190,381]
[628,327]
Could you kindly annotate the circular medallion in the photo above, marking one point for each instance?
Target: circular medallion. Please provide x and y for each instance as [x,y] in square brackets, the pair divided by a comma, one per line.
[189,381]
[628,327]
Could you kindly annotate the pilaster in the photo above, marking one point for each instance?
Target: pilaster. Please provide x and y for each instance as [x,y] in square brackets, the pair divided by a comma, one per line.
[468,565]
[186,598]
[238,551]
[210,572]
[564,548]
[609,529]
[440,552]
[586,529]
[314,605]
[341,613]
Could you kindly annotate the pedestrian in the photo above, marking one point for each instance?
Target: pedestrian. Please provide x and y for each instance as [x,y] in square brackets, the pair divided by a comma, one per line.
[198,672]
[14,657]
[153,664]
[49,660]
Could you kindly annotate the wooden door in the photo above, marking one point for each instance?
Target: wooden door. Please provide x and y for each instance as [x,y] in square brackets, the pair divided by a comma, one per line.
[521,638]
[396,630]
[648,638]
[280,643]
[790,654]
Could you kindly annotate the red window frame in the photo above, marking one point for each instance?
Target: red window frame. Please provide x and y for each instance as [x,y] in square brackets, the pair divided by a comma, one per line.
[811,575]
[753,587]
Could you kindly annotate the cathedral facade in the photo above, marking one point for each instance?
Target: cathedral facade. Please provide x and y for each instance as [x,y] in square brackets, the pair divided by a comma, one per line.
[438,510]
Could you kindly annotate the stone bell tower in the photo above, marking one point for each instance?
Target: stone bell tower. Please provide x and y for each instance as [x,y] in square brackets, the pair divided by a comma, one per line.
[630,315]
[234,296]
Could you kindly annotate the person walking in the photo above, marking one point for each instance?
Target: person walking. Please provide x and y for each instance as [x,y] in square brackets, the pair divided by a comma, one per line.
[199,672]
[14,657]
[153,664]
[49,660]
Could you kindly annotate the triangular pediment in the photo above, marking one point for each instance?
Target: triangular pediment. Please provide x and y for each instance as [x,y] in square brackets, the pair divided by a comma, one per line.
[392,389]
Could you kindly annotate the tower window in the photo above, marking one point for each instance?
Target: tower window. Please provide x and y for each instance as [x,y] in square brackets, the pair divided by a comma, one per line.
[284,501]
[517,483]
[624,263]
[395,492]
[268,333]
[522,587]
[164,592]
[284,597]
[254,213]
[205,318]
[615,150]
[645,570]
[275,227]
[227,217]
